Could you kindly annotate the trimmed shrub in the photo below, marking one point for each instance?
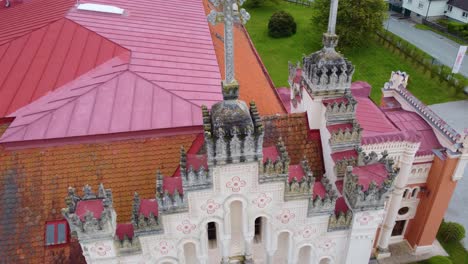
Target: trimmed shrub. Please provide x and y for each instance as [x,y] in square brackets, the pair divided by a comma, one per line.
[281,25]
[439,260]
[451,232]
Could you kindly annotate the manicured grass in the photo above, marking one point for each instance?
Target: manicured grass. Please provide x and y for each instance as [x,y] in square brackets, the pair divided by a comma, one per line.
[457,253]
[374,63]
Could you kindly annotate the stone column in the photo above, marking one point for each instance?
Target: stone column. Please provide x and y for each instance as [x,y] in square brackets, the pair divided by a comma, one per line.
[226,244]
[203,253]
[406,163]
[290,250]
[248,250]
[269,256]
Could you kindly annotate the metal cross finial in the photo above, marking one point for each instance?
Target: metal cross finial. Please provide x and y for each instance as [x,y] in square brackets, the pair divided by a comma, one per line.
[229,14]
[332,16]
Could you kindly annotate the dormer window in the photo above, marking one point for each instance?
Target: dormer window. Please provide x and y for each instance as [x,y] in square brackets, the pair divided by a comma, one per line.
[56,233]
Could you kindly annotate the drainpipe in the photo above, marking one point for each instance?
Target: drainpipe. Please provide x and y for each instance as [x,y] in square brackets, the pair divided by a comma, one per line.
[428,8]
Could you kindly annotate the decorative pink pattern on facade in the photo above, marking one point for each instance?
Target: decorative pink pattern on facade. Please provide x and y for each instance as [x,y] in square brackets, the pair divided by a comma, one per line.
[285,216]
[100,248]
[327,245]
[262,200]
[186,227]
[308,231]
[164,247]
[365,219]
[210,206]
[235,184]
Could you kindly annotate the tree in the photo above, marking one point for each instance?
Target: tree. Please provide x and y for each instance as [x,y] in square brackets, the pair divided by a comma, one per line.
[451,232]
[357,20]
[281,25]
[259,3]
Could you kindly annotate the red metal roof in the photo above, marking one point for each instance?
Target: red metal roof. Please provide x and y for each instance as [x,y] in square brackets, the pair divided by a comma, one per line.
[96,207]
[102,102]
[411,122]
[368,173]
[165,49]
[47,58]
[26,16]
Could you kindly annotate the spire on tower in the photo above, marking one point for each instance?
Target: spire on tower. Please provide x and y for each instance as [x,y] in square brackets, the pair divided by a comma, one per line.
[228,16]
[330,39]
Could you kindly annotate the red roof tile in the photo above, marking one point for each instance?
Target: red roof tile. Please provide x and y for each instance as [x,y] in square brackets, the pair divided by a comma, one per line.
[47,58]
[319,190]
[295,171]
[412,122]
[124,230]
[344,154]
[371,119]
[270,153]
[368,173]
[341,205]
[96,207]
[148,206]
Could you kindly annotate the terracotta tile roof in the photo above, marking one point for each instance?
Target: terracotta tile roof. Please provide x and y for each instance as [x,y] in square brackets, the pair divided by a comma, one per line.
[45,59]
[24,16]
[294,129]
[34,183]
[165,50]
[110,99]
[252,77]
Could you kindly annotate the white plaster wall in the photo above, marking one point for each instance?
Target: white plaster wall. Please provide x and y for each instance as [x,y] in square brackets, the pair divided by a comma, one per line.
[258,200]
[437,8]
[457,14]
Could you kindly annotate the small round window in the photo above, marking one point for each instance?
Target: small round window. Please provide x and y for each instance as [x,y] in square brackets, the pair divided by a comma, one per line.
[403,210]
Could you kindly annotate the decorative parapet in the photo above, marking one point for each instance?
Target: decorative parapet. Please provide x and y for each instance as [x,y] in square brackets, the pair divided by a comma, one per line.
[327,77]
[278,170]
[125,240]
[295,83]
[169,203]
[323,205]
[146,220]
[300,189]
[341,165]
[92,215]
[341,111]
[347,138]
[398,82]
[375,195]
[242,143]
[193,178]
[340,221]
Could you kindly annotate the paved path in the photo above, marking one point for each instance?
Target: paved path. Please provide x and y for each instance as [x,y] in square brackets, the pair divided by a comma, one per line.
[439,47]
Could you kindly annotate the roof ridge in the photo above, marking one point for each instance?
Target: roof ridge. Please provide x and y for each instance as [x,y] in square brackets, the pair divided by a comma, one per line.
[48,112]
[167,90]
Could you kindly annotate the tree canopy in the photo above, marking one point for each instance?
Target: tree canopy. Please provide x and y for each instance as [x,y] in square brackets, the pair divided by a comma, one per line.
[357,20]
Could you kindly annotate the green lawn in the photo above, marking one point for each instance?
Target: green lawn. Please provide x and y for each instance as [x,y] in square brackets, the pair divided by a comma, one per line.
[457,253]
[374,63]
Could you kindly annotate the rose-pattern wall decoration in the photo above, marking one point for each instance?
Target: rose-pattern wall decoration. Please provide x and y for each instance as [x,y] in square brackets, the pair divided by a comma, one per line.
[164,247]
[186,227]
[308,231]
[365,219]
[285,216]
[210,206]
[262,200]
[235,184]
[100,248]
[327,245]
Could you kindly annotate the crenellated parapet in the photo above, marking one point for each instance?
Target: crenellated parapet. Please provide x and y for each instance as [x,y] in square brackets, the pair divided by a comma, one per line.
[340,221]
[346,138]
[275,170]
[300,182]
[341,165]
[170,198]
[145,215]
[337,111]
[323,204]
[193,178]
[368,185]
[233,133]
[91,216]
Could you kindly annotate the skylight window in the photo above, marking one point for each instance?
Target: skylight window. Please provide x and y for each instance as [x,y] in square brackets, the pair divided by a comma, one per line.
[101,8]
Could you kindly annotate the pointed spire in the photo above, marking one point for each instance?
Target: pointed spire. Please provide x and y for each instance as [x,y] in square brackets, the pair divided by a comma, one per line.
[330,39]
